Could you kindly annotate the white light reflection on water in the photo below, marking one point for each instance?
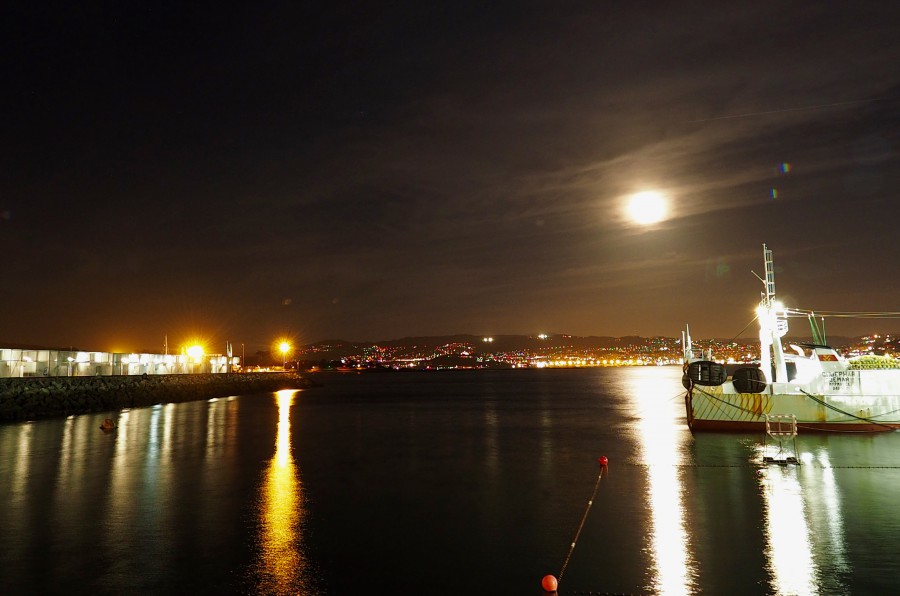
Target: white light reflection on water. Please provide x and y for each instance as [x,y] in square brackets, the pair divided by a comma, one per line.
[803,517]
[281,565]
[662,439]
[151,467]
[118,494]
[215,429]
[20,474]
[491,443]
[17,451]
[67,460]
[169,411]
[827,500]
[77,470]
[788,547]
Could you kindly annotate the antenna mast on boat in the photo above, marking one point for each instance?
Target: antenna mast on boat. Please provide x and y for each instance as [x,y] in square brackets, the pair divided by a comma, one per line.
[686,346]
[770,274]
[771,327]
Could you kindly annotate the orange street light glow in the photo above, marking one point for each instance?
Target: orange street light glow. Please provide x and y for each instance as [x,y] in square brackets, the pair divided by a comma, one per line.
[195,352]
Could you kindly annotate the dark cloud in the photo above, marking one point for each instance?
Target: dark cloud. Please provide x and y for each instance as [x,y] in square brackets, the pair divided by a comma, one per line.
[366,171]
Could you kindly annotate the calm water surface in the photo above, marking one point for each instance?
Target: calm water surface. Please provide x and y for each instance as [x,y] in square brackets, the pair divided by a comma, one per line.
[441,483]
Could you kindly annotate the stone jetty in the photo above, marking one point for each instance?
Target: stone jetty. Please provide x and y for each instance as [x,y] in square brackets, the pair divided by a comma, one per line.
[31,398]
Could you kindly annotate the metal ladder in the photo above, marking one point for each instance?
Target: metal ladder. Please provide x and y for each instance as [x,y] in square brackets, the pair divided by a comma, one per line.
[780,429]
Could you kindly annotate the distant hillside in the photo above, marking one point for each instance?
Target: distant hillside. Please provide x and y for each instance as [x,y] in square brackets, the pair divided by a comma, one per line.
[554,339]
[497,342]
[338,348]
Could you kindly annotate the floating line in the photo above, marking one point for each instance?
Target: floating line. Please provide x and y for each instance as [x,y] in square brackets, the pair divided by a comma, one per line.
[581,525]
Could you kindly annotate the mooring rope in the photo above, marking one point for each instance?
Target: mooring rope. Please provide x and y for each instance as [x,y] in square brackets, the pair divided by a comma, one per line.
[583,519]
[840,411]
[679,395]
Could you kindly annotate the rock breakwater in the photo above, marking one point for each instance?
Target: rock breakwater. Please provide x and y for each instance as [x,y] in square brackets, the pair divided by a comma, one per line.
[46,397]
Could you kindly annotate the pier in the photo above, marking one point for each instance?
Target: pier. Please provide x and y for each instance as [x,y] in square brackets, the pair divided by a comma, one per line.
[30,398]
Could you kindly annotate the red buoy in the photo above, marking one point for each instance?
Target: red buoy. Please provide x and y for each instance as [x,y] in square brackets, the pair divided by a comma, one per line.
[549,583]
[603,461]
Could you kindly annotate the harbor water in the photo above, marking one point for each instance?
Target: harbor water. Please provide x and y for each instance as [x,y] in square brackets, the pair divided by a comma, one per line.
[456,482]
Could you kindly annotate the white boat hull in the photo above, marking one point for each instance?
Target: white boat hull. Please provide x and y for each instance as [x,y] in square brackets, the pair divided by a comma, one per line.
[861,401]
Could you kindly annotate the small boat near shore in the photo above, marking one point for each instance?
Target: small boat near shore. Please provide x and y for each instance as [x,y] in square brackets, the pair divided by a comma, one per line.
[811,387]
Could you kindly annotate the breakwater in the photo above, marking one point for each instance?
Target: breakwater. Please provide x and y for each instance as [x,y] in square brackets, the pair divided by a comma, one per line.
[46,397]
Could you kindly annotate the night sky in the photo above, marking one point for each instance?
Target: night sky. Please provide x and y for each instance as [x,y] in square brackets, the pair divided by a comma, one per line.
[372,170]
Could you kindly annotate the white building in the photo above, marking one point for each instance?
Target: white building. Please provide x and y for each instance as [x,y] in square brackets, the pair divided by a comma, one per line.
[16,362]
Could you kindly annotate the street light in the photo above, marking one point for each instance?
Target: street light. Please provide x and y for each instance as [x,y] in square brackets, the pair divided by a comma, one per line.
[196,353]
[285,347]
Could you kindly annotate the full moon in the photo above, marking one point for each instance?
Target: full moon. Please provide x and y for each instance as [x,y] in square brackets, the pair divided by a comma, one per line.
[647,208]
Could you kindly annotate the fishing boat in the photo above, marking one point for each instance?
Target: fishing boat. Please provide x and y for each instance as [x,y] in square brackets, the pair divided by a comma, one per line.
[808,387]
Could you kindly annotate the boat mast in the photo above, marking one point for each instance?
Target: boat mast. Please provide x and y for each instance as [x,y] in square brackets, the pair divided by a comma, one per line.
[771,327]
[686,346]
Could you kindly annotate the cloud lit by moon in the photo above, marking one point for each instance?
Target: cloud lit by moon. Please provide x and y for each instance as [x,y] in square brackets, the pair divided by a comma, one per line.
[354,171]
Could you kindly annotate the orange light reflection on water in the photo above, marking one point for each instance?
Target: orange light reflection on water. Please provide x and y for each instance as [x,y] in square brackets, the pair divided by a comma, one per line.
[661,441]
[281,565]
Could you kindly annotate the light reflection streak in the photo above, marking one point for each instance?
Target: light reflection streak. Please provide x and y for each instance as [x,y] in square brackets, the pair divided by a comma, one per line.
[803,517]
[152,496]
[788,547]
[152,464]
[167,431]
[14,487]
[23,461]
[828,501]
[15,469]
[661,444]
[492,446]
[281,564]
[121,502]
[215,429]
[547,461]
[71,456]
[65,452]
[120,463]
[119,499]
